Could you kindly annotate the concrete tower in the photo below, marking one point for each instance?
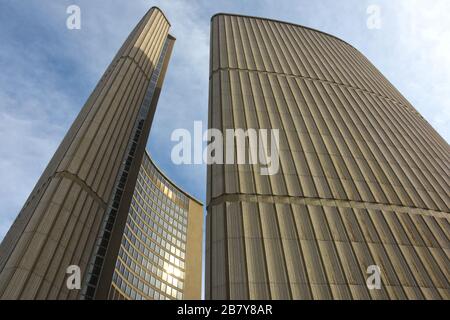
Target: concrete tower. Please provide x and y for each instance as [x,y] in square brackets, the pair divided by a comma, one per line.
[77,213]
[363,181]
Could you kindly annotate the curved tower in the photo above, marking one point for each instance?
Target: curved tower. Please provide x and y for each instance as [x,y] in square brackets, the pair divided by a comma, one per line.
[363,182]
[80,208]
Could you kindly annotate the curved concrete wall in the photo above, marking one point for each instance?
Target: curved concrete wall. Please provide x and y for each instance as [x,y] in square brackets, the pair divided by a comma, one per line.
[363,178]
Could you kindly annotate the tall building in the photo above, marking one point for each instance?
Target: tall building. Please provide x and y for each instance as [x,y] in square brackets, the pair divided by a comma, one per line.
[363,178]
[101,204]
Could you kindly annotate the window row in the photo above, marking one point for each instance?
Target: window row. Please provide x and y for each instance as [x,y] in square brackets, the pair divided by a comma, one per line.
[143,291]
[162,182]
[163,239]
[143,247]
[163,272]
[142,206]
[151,195]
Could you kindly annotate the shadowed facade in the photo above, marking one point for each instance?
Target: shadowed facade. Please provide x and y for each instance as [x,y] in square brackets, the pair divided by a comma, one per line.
[363,178]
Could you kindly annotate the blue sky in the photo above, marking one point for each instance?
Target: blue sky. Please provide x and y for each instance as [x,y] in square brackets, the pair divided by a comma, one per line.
[48,71]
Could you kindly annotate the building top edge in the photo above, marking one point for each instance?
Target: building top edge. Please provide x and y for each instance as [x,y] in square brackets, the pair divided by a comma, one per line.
[283,22]
[171,181]
[158,9]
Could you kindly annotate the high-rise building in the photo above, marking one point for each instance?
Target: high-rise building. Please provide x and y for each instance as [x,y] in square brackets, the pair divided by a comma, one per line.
[363,183]
[101,204]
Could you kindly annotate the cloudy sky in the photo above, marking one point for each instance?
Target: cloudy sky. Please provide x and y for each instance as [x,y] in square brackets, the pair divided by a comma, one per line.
[47,71]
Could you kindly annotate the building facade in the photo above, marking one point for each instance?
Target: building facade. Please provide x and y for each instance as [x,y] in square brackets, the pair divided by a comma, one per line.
[162,225]
[363,182]
[81,210]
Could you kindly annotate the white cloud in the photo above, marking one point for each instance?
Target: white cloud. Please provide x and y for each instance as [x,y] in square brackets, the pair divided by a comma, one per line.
[424,28]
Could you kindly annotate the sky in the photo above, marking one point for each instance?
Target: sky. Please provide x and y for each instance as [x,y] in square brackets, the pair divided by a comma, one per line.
[47,71]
